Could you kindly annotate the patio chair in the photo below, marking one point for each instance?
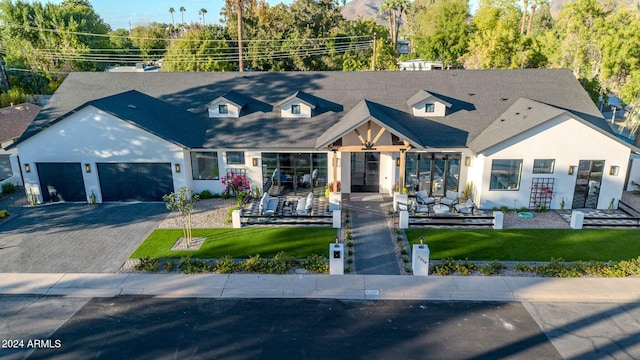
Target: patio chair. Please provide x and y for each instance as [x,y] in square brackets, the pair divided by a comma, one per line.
[422,197]
[450,199]
[466,208]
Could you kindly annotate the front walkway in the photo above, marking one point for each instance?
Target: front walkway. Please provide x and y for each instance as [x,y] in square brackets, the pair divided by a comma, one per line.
[374,249]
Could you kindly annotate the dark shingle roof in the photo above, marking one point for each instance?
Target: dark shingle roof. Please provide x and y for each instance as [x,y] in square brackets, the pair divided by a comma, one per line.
[15,119]
[477,99]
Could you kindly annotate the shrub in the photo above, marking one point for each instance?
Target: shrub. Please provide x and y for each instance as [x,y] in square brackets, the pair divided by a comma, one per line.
[399,238]
[217,196]
[226,265]
[169,266]
[281,263]
[492,268]
[240,197]
[398,231]
[254,264]
[350,243]
[8,188]
[316,263]
[525,268]
[349,260]
[194,266]
[630,267]
[350,252]
[4,214]
[405,259]
[206,194]
[403,251]
[148,264]
[449,266]
[407,270]
[556,268]
[349,236]
[347,270]
[230,213]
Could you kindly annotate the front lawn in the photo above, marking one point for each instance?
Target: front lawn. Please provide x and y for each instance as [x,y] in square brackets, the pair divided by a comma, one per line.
[240,243]
[529,244]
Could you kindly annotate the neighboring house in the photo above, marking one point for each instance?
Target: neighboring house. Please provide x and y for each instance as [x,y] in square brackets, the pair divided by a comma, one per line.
[13,122]
[518,137]
[419,65]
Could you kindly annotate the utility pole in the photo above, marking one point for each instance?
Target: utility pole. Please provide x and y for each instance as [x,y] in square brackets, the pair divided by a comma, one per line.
[373,59]
[240,62]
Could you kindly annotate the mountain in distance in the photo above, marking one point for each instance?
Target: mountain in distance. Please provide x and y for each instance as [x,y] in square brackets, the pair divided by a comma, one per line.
[368,9]
[365,9]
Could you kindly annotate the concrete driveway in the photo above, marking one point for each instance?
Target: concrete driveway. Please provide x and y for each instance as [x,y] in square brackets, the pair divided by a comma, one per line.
[75,237]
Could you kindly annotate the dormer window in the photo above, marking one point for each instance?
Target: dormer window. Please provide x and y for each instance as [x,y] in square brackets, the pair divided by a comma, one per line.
[425,104]
[228,105]
[223,109]
[429,107]
[295,109]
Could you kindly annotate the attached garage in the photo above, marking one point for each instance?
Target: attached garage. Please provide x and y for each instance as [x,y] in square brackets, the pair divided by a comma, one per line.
[135,181]
[61,182]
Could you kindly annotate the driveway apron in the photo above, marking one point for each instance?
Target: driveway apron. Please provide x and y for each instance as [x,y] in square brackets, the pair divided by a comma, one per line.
[75,237]
[374,251]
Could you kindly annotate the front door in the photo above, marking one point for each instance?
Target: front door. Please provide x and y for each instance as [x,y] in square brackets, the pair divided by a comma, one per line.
[365,172]
[588,182]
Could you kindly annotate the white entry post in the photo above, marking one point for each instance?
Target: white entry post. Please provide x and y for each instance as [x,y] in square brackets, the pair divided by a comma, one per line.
[336,258]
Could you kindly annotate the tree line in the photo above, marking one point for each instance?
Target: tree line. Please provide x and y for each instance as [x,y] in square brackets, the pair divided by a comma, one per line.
[599,42]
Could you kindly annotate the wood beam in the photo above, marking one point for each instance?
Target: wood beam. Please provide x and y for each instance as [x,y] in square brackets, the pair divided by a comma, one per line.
[369,131]
[378,135]
[362,140]
[382,148]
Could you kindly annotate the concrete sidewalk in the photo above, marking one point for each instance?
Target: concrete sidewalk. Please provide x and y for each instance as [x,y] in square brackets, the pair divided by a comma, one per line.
[356,287]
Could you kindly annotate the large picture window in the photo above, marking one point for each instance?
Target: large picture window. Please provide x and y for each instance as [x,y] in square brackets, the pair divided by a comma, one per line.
[505,175]
[204,166]
[235,157]
[543,166]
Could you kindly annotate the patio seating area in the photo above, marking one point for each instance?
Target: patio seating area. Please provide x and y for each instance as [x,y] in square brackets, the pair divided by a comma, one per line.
[289,208]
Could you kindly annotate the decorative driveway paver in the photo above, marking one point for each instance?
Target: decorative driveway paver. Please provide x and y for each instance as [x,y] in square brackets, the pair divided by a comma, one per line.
[75,237]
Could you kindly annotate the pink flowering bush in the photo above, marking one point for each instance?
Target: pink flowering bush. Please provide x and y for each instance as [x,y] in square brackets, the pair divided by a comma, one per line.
[236,184]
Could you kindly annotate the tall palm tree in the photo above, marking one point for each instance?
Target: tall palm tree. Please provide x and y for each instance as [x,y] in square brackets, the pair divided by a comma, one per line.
[182,10]
[202,12]
[171,11]
[393,10]
[524,16]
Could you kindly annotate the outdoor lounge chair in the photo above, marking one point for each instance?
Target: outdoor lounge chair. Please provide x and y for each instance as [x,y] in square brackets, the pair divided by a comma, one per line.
[422,197]
[305,205]
[268,204]
[466,208]
[450,199]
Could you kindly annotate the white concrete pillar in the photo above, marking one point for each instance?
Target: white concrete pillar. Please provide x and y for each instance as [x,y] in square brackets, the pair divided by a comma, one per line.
[399,198]
[403,220]
[337,219]
[498,220]
[336,259]
[335,201]
[420,260]
[235,219]
[577,220]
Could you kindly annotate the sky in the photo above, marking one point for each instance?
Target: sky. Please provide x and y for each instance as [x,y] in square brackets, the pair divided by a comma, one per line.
[121,14]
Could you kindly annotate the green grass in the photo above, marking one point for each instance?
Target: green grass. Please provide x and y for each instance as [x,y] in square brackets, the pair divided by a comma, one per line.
[529,244]
[240,243]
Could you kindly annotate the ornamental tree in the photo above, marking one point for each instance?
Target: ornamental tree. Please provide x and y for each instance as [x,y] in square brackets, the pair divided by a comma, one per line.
[183,201]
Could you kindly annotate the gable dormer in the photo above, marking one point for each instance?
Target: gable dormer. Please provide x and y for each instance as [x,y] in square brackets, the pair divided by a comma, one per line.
[425,104]
[298,105]
[228,105]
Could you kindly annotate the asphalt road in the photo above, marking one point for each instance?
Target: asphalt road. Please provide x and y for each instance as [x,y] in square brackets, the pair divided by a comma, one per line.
[136,327]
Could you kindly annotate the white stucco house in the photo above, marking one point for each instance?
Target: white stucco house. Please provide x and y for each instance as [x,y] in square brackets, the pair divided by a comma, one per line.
[519,138]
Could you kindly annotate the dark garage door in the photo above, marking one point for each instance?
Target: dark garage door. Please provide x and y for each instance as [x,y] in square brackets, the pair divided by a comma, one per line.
[61,182]
[135,182]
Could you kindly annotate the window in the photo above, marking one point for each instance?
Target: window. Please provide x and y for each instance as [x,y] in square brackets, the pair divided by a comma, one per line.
[204,165]
[505,175]
[429,107]
[235,157]
[223,109]
[295,109]
[543,166]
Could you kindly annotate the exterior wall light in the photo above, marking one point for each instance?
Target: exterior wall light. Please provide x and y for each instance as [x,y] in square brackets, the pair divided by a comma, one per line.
[614,170]
[27,168]
[254,161]
[87,168]
[398,162]
[572,169]
[177,168]
[467,161]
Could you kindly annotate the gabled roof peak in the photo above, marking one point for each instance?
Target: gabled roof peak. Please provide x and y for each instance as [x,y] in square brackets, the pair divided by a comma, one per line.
[422,96]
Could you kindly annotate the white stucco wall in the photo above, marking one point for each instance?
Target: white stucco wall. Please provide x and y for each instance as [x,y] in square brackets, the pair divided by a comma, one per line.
[567,141]
[92,136]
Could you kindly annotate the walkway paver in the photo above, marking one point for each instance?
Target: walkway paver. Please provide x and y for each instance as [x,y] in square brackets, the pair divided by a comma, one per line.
[374,251]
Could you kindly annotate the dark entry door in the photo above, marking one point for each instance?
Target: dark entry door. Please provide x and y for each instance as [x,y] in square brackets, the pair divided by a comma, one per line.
[588,183]
[134,181]
[61,182]
[365,171]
